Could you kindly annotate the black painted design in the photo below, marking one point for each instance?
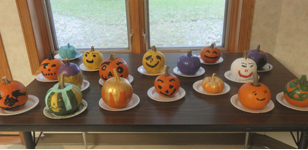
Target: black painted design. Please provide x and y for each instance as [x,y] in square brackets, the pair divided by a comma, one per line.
[10,101]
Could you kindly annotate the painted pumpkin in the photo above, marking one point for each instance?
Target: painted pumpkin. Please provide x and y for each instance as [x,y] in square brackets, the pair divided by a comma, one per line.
[72,73]
[107,66]
[67,51]
[210,54]
[258,56]
[63,98]
[50,67]
[243,68]
[117,91]
[213,84]
[189,64]
[296,92]
[92,59]
[167,84]
[153,61]
[254,95]
[13,94]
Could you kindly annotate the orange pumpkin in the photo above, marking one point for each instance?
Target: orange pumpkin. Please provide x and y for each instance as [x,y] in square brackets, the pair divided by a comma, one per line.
[296,92]
[213,84]
[254,95]
[50,67]
[13,94]
[167,84]
[210,54]
[105,71]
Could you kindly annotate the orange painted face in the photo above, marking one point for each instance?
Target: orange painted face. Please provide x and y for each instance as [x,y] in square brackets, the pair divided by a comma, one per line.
[210,54]
[167,84]
[50,67]
[107,66]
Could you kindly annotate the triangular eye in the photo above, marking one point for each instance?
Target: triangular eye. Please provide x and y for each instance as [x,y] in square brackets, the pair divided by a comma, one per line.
[148,58]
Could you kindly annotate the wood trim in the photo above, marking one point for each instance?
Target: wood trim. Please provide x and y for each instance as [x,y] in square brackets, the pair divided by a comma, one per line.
[240,25]
[4,65]
[136,8]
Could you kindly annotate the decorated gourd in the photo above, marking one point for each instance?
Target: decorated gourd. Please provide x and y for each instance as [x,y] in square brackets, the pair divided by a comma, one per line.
[189,64]
[167,84]
[254,95]
[13,94]
[243,68]
[212,84]
[107,66]
[210,54]
[50,66]
[67,51]
[63,98]
[153,61]
[117,91]
[258,56]
[72,73]
[296,92]
[92,59]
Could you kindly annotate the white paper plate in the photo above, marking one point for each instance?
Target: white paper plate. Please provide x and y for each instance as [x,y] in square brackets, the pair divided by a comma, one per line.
[198,73]
[237,104]
[77,56]
[229,76]
[41,78]
[143,71]
[155,96]
[266,67]
[280,98]
[30,104]
[82,107]
[198,87]
[84,68]
[220,60]
[130,79]
[133,103]
[85,84]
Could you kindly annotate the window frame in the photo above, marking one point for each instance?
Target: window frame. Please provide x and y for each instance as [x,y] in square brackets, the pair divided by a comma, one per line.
[34,25]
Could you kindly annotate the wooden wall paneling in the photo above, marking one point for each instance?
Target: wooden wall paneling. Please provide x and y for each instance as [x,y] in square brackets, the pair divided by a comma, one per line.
[4,65]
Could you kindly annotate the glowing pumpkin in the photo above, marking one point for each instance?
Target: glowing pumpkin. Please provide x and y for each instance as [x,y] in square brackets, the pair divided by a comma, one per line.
[243,68]
[213,84]
[153,61]
[50,67]
[92,59]
[107,66]
[117,91]
[13,94]
[167,84]
[296,92]
[210,54]
[254,95]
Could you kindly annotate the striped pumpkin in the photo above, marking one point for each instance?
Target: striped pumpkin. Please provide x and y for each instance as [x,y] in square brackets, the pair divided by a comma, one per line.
[63,100]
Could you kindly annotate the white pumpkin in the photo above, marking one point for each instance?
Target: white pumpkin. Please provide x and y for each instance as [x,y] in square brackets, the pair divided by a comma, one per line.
[243,68]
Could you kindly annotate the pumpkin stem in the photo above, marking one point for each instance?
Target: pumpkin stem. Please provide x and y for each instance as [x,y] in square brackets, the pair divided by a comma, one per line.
[65,61]
[245,54]
[61,81]
[68,45]
[115,74]
[255,79]
[50,56]
[92,48]
[213,76]
[213,45]
[258,48]
[189,54]
[303,79]
[112,56]
[167,71]
[154,48]
[6,80]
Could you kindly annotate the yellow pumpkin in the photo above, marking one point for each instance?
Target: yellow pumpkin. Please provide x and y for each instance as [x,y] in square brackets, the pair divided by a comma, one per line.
[153,61]
[92,59]
[213,84]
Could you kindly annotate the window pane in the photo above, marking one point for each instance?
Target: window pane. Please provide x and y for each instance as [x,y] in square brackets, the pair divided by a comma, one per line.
[186,22]
[83,23]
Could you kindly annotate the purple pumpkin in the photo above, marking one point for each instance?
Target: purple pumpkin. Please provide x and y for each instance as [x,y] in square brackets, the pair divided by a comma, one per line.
[188,63]
[259,57]
[72,73]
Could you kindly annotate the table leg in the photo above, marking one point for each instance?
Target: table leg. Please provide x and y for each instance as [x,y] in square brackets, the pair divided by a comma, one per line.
[28,140]
[303,140]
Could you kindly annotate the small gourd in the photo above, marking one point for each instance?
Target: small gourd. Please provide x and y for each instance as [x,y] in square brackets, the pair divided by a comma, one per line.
[210,54]
[68,51]
[296,92]
[50,67]
[92,59]
[167,84]
[72,73]
[107,66]
[212,84]
[153,61]
[117,92]
[243,68]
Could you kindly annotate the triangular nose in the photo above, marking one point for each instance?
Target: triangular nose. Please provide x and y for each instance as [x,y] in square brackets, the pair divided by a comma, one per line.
[167,91]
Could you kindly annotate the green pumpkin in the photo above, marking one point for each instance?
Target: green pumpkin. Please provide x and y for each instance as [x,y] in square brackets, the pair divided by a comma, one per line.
[63,98]
[68,51]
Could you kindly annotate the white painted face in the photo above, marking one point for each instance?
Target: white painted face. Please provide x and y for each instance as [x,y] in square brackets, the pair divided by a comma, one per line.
[242,69]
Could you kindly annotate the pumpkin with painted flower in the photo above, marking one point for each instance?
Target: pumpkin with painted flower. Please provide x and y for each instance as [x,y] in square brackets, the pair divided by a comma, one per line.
[296,92]
[243,68]
[153,61]
[92,59]
[167,84]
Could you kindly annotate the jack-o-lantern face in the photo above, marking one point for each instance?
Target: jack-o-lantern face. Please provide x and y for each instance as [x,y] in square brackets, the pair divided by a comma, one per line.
[50,66]
[106,68]
[243,68]
[92,59]
[167,84]
[210,54]
[153,61]
[296,92]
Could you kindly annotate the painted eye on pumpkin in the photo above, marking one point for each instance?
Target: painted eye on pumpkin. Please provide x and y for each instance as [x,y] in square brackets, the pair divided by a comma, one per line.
[170,86]
[104,67]
[251,65]
[208,51]
[148,58]
[160,80]
[120,70]
[265,91]
[46,65]
[54,65]
[214,52]
[158,57]
[160,87]
[94,55]
[86,54]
